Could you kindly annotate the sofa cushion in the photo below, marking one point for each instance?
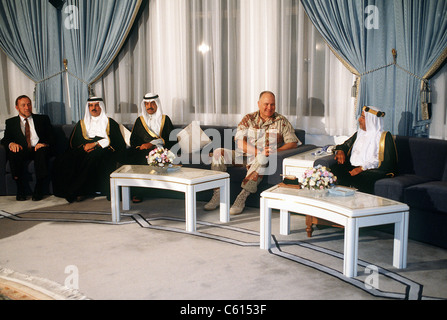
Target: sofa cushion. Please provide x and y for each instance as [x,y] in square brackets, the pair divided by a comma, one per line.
[428,196]
[428,157]
[393,188]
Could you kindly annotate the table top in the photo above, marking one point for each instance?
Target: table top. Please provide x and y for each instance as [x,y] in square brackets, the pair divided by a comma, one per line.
[183,175]
[306,156]
[357,205]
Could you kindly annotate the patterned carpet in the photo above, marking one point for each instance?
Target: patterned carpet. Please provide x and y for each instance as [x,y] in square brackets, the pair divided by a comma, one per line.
[394,285]
[16,286]
[10,290]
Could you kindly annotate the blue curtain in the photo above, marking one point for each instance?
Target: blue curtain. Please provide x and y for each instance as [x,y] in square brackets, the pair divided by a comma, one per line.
[88,34]
[363,34]
[421,48]
[29,38]
[103,26]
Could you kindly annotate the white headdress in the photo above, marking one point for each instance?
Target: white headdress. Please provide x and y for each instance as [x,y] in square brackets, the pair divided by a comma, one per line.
[365,152]
[96,126]
[153,121]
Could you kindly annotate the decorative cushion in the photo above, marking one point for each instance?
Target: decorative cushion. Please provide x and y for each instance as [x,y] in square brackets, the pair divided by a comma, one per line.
[126,134]
[192,138]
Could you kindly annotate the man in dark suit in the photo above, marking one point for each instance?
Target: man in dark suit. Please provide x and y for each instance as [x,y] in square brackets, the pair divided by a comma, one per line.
[27,137]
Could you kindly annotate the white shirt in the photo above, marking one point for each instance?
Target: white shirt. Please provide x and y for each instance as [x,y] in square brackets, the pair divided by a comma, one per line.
[34,136]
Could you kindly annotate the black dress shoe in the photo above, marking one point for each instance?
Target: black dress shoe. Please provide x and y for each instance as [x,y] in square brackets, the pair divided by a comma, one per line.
[71,199]
[37,197]
[20,197]
[136,199]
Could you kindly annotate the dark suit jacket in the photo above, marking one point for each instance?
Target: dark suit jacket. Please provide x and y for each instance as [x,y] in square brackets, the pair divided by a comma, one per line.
[42,124]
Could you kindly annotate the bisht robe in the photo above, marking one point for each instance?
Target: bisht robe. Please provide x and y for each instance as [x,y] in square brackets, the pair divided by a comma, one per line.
[78,173]
[365,181]
[141,134]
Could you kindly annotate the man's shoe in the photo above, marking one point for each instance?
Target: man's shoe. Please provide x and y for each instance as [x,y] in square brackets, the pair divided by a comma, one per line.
[239,204]
[37,197]
[214,202]
[80,198]
[136,199]
[20,197]
[70,199]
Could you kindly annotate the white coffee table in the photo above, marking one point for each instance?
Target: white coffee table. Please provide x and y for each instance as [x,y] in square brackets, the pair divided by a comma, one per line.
[352,212]
[187,180]
[296,165]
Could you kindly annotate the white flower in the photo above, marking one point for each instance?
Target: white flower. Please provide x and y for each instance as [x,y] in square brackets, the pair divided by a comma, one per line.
[160,157]
[318,178]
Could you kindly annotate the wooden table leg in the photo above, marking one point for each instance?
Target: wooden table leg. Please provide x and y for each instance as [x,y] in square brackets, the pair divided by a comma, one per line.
[309,229]
[311,221]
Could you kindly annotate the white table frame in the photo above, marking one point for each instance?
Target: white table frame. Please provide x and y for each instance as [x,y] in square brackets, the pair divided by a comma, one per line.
[351,219]
[187,180]
[297,164]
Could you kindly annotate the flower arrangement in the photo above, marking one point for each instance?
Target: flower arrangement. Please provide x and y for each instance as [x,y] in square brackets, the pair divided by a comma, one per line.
[318,178]
[160,157]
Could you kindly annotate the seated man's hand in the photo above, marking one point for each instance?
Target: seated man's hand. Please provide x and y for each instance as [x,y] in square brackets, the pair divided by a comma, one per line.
[15,147]
[89,147]
[268,151]
[340,157]
[146,146]
[40,145]
[356,171]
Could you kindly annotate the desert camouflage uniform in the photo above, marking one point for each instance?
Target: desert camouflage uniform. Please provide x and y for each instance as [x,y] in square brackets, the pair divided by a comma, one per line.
[275,132]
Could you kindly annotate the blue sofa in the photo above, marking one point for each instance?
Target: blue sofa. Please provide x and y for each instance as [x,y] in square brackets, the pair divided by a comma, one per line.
[237,174]
[421,183]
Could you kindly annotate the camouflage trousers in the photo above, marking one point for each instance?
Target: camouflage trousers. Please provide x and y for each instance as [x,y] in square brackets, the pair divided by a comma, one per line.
[256,166]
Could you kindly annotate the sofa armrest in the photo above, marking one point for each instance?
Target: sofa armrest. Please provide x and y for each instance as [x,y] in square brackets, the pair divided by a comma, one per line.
[326,161]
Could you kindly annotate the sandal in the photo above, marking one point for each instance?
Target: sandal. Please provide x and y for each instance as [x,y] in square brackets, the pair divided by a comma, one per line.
[136,199]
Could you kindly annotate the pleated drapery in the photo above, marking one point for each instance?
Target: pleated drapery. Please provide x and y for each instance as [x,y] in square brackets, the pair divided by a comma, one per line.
[37,38]
[365,33]
[29,38]
[90,49]
[209,60]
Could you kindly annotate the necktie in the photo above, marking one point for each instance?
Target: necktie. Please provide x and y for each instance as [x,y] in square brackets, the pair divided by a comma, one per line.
[28,133]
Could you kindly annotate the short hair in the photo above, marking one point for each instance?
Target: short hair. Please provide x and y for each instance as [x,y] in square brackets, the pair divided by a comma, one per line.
[20,98]
[266,92]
